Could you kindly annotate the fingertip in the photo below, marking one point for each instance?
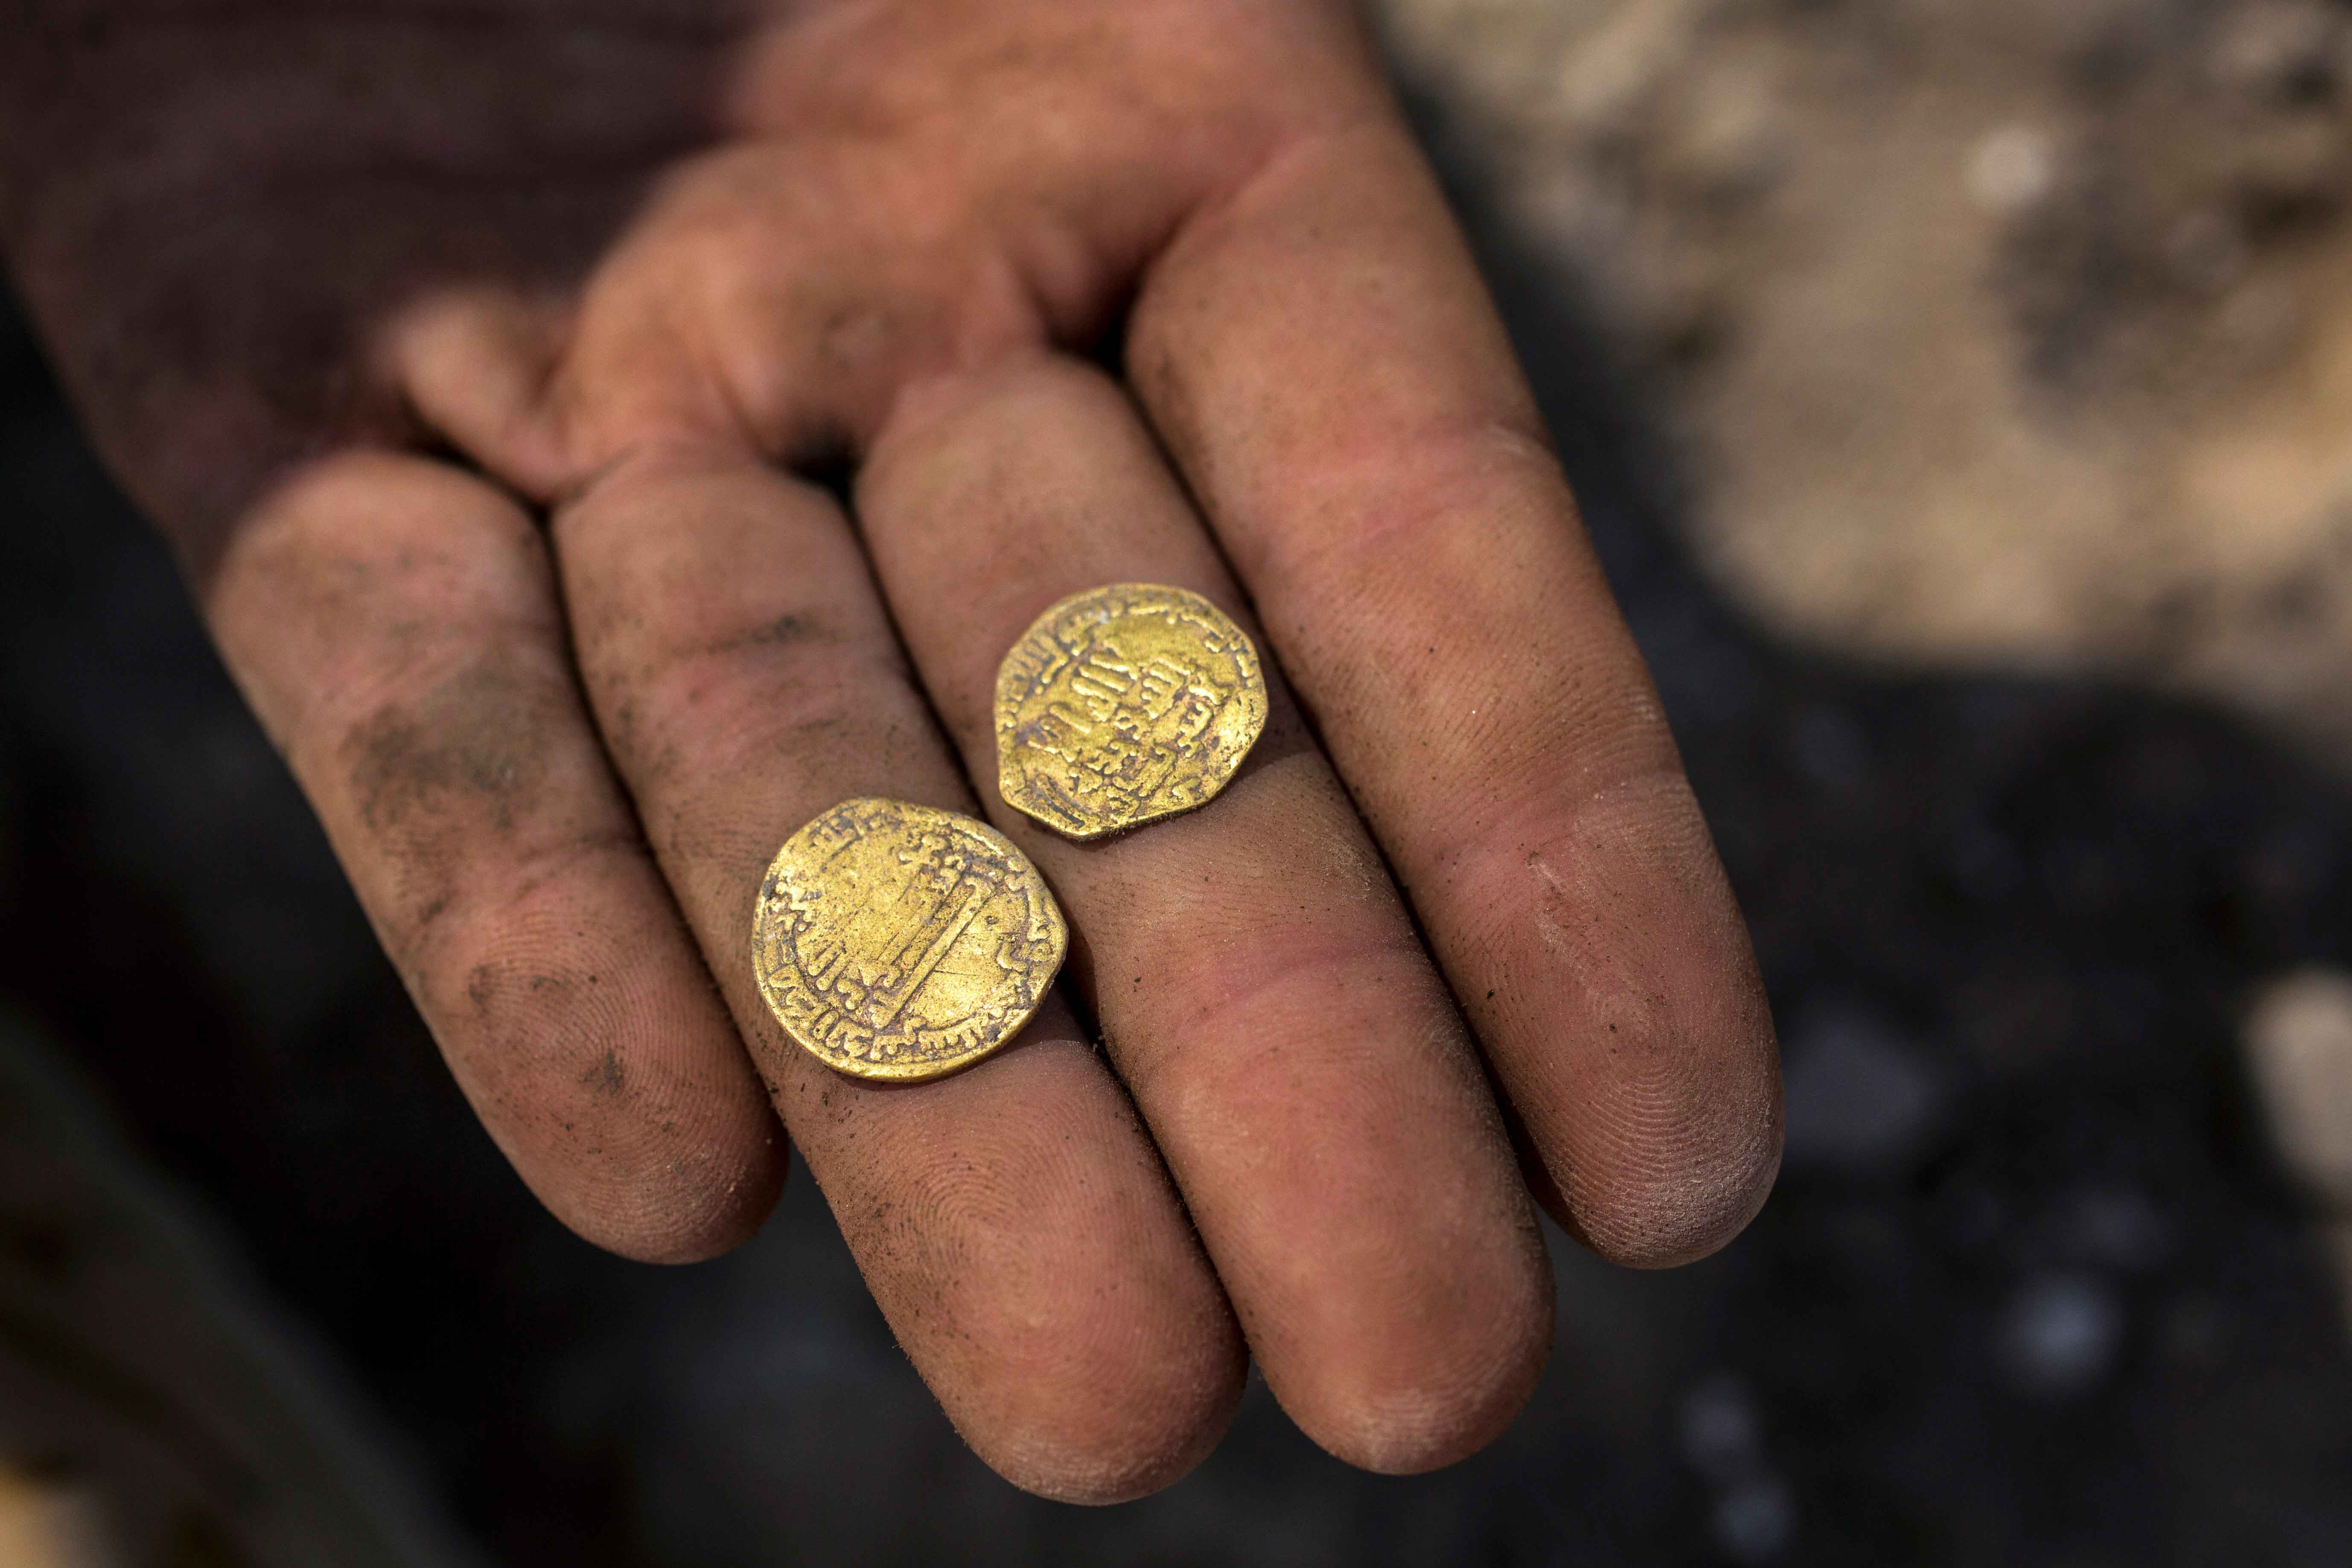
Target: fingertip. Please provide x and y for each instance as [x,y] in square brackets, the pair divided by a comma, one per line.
[1453,1392]
[1625,1013]
[1665,1201]
[589,1042]
[1117,1433]
[1104,1401]
[1030,1254]
[677,1217]
[1428,1361]
[682,1175]
[1105,1397]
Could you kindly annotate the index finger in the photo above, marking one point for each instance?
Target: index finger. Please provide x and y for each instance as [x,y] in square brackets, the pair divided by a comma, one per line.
[1321,358]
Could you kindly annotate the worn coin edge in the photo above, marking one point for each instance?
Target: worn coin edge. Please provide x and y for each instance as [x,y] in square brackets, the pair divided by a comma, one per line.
[1253,693]
[1058,925]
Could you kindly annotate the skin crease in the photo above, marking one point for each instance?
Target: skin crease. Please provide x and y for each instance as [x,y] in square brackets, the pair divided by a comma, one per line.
[474,362]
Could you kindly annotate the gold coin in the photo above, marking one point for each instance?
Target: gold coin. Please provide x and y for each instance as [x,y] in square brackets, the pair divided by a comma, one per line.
[1123,705]
[896,942]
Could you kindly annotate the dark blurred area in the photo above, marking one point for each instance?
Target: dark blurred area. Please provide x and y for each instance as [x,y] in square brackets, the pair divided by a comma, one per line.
[2033,1290]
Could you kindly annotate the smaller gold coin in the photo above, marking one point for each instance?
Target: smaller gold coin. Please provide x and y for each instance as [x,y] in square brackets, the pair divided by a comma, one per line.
[896,942]
[1123,705]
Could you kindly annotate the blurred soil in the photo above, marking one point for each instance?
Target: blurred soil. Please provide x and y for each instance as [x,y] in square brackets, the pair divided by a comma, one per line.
[2033,1291]
[2014,335]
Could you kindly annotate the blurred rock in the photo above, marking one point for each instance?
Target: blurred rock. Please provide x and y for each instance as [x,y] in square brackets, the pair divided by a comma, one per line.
[1720,1434]
[2116,1227]
[2298,1040]
[1755,1520]
[2014,335]
[2013,170]
[2298,1048]
[1831,750]
[2059,1335]
[1862,1098]
[1722,1437]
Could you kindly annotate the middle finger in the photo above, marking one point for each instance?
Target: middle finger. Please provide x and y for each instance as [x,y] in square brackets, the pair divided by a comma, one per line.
[1257,980]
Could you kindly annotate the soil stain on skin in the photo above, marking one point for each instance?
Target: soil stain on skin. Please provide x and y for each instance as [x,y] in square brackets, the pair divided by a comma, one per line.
[476,743]
[783,631]
[605,1075]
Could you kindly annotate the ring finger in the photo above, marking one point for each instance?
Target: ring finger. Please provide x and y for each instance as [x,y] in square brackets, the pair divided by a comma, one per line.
[1257,980]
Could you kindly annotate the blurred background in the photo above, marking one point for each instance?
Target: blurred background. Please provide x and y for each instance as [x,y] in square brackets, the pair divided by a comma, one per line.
[1960,392]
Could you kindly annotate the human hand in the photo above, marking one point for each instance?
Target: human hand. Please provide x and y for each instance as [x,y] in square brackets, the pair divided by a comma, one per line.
[478,362]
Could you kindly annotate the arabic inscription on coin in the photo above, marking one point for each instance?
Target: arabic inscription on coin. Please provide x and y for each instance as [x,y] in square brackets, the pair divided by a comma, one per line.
[1123,705]
[902,943]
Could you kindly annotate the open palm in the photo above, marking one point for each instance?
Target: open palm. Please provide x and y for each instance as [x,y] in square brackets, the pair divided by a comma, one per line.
[605,434]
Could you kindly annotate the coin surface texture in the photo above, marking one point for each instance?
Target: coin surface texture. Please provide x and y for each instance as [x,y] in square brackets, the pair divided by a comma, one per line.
[1123,705]
[898,941]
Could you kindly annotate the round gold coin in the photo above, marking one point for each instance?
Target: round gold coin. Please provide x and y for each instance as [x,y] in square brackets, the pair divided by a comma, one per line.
[1123,705]
[896,942]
